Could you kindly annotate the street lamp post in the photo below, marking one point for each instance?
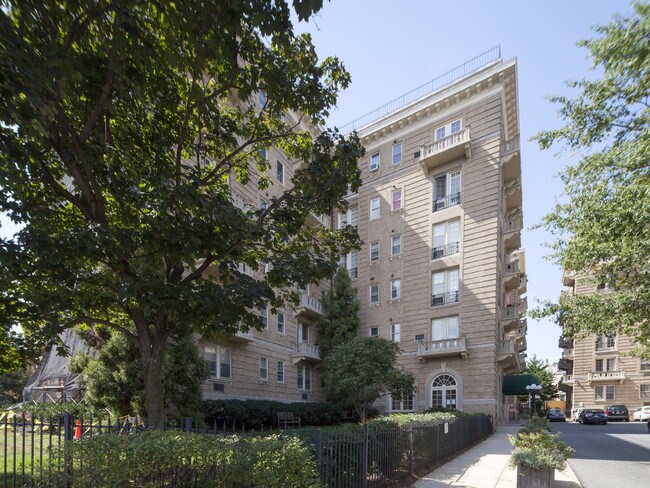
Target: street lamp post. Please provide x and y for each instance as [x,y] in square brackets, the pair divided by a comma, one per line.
[532,391]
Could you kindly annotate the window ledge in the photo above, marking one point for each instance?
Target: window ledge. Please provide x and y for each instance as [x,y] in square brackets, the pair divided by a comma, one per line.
[376,261]
[395,300]
[265,382]
[397,256]
[399,210]
[373,305]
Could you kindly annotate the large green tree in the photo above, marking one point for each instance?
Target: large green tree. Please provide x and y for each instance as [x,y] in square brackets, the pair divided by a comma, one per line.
[340,321]
[362,370]
[123,125]
[602,225]
[542,371]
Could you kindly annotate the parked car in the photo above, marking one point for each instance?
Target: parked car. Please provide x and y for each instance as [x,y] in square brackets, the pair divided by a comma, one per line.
[617,412]
[576,413]
[592,416]
[641,414]
[556,414]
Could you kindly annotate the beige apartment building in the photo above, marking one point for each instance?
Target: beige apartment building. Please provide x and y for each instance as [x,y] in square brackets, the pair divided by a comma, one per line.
[599,370]
[440,271]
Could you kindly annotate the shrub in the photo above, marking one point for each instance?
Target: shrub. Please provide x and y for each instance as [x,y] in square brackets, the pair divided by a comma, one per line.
[537,449]
[164,458]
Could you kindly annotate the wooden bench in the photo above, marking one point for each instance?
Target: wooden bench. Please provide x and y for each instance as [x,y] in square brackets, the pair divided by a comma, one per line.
[288,420]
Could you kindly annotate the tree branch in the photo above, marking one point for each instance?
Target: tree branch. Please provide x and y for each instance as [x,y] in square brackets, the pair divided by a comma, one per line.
[107,323]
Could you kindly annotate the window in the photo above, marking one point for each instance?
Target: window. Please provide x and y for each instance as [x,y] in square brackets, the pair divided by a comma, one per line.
[351,263]
[303,332]
[645,365]
[608,364]
[374,208]
[280,323]
[440,133]
[419,337]
[446,239]
[374,251]
[350,217]
[448,129]
[280,373]
[455,126]
[444,392]
[374,162]
[605,343]
[304,378]
[607,392]
[644,391]
[395,289]
[395,245]
[217,360]
[446,190]
[395,330]
[261,98]
[280,171]
[264,317]
[397,153]
[444,328]
[373,332]
[264,368]
[396,200]
[263,154]
[403,405]
[445,287]
[374,294]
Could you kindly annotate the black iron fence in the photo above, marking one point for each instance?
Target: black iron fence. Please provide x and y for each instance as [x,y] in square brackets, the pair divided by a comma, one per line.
[39,453]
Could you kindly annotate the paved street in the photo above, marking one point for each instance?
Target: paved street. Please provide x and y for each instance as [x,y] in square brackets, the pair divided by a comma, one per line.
[616,454]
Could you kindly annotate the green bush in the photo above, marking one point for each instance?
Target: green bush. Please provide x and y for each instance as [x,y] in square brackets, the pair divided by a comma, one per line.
[164,458]
[537,449]
[255,414]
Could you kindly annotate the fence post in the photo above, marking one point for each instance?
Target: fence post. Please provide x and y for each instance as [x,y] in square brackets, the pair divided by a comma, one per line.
[68,425]
[364,461]
[411,448]
[319,454]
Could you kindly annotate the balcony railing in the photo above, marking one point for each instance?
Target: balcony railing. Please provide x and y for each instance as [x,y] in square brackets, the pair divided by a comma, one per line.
[448,148]
[510,312]
[447,201]
[444,298]
[309,306]
[512,224]
[510,145]
[506,347]
[446,250]
[565,364]
[565,343]
[445,347]
[568,379]
[511,268]
[606,376]
[306,352]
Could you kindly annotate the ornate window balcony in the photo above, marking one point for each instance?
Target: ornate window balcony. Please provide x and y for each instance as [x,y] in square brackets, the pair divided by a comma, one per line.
[309,307]
[444,347]
[447,149]
[445,298]
[306,352]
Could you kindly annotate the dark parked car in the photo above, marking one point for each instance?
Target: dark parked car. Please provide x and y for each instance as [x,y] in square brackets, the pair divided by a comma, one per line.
[592,416]
[617,412]
[556,414]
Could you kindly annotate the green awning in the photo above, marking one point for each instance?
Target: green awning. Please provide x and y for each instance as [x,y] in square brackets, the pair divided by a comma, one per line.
[515,384]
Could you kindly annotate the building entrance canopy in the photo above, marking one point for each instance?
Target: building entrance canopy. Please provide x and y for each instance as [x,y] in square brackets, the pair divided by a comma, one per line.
[515,384]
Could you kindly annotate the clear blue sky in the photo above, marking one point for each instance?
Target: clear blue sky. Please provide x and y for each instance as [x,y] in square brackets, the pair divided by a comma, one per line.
[391,47]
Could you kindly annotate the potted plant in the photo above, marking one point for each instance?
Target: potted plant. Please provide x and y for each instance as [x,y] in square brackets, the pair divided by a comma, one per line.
[537,454]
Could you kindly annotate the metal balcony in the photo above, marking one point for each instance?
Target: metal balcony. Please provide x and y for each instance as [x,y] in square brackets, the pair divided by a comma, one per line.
[512,232]
[446,202]
[306,352]
[445,347]
[309,307]
[446,250]
[510,317]
[565,364]
[598,376]
[241,337]
[511,274]
[445,298]
[446,149]
[565,343]
[323,220]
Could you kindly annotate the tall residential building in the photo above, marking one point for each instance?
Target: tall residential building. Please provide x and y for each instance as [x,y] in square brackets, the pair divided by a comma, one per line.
[440,214]
[599,370]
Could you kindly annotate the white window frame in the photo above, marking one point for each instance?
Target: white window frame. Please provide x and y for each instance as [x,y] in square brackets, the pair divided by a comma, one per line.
[262,98]
[398,245]
[280,377]
[221,356]
[349,217]
[605,392]
[400,192]
[605,343]
[303,332]
[403,405]
[264,369]
[396,289]
[445,391]
[282,323]
[448,129]
[279,171]
[375,161]
[350,262]
[264,153]
[453,185]
[443,236]
[443,328]
[373,331]
[264,316]
[374,253]
[373,291]
[395,332]
[397,152]
[448,283]
[303,380]
[644,391]
[375,208]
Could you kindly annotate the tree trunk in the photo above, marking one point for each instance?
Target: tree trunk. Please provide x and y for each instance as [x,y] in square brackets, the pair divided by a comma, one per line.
[153,387]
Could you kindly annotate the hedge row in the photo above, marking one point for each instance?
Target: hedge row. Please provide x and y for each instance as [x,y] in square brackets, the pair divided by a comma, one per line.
[255,414]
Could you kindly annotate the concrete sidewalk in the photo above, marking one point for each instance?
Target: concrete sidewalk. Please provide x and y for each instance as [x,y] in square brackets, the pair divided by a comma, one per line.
[486,466]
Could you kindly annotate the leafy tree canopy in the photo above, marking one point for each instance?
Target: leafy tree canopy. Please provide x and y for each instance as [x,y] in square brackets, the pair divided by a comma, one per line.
[602,226]
[543,373]
[362,370]
[123,127]
[340,322]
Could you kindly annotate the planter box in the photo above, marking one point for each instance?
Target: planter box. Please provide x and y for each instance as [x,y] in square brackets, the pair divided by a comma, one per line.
[535,479]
